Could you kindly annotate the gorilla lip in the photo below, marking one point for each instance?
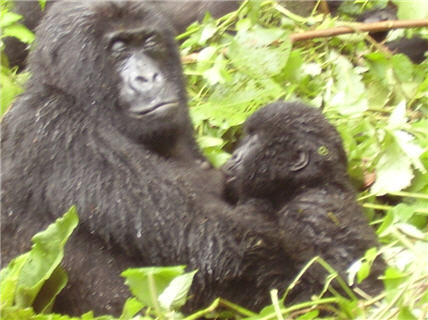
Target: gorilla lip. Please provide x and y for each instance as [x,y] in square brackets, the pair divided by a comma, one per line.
[139,112]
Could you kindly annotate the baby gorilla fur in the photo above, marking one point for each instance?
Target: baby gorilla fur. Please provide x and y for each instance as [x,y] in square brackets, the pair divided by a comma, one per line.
[292,166]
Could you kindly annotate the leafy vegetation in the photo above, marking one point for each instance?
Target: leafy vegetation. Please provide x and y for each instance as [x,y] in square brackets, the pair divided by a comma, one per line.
[11,83]
[236,64]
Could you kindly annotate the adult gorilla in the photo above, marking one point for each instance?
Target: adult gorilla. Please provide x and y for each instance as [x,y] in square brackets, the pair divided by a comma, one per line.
[104,124]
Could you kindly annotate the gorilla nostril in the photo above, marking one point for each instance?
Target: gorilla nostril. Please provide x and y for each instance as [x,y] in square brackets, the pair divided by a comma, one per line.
[157,77]
[140,79]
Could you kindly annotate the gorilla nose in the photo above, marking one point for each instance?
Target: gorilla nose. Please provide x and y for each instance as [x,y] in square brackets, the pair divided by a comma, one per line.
[146,81]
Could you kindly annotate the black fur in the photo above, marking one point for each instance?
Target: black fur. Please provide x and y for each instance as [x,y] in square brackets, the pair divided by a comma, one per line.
[291,163]
[82,135]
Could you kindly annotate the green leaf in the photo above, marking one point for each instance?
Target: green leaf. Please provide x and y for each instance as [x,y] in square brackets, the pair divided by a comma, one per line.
[406,314]
[9,279]
[415,9]
[206,54]
[403,212]
[309,315]
[44,259]
[131,308]
[208,142]
[411,231]
[386,225]
[393,171]
[51,288]
[409,148]
[367,260]
[9,90]
[348,96]
[17,314]
[259,61]
[398,116]
[207,32]
[174,296]
[147,283]
[19,31]
[216,157]
[252,51]
[9,18]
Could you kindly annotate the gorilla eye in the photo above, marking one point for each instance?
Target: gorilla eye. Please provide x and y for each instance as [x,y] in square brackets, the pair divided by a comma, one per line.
[323,151]
[118,46]
[151,42]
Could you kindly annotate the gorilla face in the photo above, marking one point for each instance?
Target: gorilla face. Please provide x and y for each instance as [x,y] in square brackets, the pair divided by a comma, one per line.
[150,95]
[262,165]
[123,56]
[285,146]
[143,89]
[150,86]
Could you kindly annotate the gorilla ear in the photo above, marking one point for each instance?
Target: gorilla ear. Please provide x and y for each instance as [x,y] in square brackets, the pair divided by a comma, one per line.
[301,161]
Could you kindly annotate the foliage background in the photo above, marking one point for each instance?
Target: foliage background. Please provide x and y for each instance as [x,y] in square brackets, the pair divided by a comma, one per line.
[378,102]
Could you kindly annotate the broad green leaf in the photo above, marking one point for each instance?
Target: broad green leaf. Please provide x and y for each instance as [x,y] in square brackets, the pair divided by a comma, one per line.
[9,90]
[414,9]
[393,171]
[51,288]
[216,157]
[44,258]
[206,53]
[406,143]
[412,231]
[149,282]
[8,18]
[19,31]
[9,279]
[257,61]
[349,93]
[398,116]
[207,142]
[403,212]
[406,314]
[174,296]
[131,308]
[207,32]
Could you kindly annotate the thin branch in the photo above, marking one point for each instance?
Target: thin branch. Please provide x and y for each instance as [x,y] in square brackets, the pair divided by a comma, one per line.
[350,28]
[359,27]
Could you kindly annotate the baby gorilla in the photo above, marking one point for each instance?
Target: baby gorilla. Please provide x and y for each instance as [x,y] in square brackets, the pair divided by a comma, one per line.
[291,166]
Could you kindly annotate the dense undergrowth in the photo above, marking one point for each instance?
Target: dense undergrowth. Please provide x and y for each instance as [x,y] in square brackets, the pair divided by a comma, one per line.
[234,65]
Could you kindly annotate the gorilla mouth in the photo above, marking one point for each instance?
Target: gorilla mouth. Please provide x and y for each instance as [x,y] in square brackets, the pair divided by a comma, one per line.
[141,111]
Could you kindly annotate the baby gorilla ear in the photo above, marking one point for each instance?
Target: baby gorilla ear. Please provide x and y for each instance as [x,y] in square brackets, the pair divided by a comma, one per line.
[300,161]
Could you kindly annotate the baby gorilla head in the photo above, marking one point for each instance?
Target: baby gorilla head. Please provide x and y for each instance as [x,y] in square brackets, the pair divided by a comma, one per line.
[286,146]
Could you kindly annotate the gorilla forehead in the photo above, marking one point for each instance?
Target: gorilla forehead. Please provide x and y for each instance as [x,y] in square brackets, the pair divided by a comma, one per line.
[286,117]
[291,119]
[102,16]
[113,14]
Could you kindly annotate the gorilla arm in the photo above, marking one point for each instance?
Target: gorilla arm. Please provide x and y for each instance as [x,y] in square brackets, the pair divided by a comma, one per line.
[328,223]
